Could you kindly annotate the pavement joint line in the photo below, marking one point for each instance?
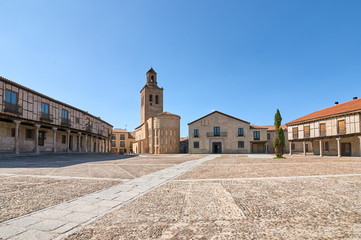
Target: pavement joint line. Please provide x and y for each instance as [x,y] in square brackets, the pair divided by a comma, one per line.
[275,163]
[264,178]
[62,177]
[134,189]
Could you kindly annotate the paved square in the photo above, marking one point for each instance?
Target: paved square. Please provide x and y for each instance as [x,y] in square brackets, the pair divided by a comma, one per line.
[182,197]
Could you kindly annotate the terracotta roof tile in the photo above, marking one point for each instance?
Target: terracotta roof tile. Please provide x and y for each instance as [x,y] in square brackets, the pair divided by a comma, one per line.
[119,130]
[346,107]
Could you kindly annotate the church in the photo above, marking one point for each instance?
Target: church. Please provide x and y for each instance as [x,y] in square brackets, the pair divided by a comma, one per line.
[159,131]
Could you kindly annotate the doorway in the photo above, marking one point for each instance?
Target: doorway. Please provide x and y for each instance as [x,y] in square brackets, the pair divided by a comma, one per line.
[41,138]
[346,149]
[217,147]
[71,143]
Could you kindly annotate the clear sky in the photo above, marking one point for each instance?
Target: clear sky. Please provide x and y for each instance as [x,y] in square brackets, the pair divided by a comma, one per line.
[244,58]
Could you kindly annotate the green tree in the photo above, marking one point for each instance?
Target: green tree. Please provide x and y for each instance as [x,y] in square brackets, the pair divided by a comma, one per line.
[279,143]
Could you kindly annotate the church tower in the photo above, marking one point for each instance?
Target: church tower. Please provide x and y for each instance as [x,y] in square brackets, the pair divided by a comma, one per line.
[151,97]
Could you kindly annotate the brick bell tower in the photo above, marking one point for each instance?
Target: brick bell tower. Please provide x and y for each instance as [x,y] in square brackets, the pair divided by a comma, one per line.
[151,97]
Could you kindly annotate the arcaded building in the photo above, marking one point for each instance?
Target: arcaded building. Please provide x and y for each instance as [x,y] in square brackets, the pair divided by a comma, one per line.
[159,131]
[33,122]
[333,131]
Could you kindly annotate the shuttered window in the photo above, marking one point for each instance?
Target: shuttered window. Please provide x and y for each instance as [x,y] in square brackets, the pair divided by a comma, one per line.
[322,129]
[306,130]
[295,132]
[341,127]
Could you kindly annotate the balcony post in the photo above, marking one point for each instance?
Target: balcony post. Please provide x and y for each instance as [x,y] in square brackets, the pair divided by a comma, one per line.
[67,140]
[86,143]
[91,144]
[96,144]
[79,141]
[16,144]
[54,138]
[304,148]
[338,147]
[290,146]
[359,137]
[321,153]
[36,147]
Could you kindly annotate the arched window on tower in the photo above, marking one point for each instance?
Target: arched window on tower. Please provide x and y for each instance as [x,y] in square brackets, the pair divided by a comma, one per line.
[150,98]
[152,78]
[156,99]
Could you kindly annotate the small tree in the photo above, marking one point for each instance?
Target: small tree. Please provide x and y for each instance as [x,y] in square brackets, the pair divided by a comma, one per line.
[279,143]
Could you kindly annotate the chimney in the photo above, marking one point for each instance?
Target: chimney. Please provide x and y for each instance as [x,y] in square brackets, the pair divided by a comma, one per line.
[336,103]
[354,98]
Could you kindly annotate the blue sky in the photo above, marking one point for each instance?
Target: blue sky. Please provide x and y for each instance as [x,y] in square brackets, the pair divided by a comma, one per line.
[244,58]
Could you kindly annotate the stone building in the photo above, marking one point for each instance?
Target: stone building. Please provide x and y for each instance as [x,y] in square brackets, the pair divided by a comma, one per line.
[159,131]
[218,132]
[122,141]
[33,122]
[333,131]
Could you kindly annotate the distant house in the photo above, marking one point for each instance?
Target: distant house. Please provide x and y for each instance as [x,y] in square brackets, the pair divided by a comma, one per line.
[122,141]
[218,132]
[333,131]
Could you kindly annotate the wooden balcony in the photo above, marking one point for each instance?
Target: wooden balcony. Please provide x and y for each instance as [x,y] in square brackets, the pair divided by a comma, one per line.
[65,122]
[13,108]
[46,117]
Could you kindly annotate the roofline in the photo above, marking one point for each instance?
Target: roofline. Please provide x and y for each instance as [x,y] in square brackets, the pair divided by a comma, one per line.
[294,122]
[219,113]
[49,98]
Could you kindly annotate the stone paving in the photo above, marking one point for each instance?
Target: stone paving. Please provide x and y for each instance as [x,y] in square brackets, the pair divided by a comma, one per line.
[61,220]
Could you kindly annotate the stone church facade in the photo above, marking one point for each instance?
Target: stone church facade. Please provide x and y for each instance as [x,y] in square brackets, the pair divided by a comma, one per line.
[159,131]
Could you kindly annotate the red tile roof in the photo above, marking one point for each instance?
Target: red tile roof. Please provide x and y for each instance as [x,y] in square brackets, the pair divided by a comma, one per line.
[131,134]
[342,108]
[119,130]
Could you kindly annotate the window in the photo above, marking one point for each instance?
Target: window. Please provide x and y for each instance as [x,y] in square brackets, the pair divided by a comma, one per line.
[341,127]
[63,139]
[122,136]
[293,146]
[150,98]
[240,144]
[122,144]
[322,129]
[295,132]
[64,114]
[240,132]
[113,144]
[11,97]
[216,131]
[256,135]
[327,146]
[29,134]
[195,144]
[268,136]
[156,99]
[113,137]
[44,108]
[195,133]
[306,131]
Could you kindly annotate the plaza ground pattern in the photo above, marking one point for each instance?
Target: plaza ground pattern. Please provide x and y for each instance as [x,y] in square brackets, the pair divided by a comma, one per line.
[180,197]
